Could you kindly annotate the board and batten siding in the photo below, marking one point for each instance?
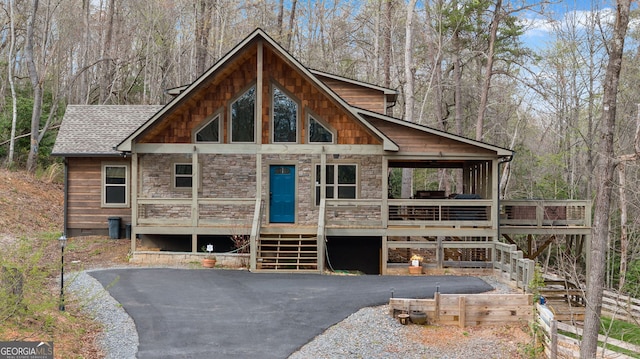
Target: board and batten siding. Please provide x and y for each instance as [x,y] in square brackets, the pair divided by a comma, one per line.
[85,214]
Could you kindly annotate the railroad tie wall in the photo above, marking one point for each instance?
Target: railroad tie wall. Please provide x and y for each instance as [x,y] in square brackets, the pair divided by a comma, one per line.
[468,309]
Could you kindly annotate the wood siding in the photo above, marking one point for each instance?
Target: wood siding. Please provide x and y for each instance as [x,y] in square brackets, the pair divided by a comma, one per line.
[349,130]
[228,83]
[178,126]
[416,141]
[85,214]
[358,96]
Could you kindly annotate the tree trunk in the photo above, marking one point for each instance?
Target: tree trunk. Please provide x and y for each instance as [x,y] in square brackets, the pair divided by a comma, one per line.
[203,27]
[105,67]
[386,47]
[624,238]
[292,19]
[279,19]
[409,98]
[84,80]
[604,180]
[488,70]
[407,173]
[36,86]
[14,99]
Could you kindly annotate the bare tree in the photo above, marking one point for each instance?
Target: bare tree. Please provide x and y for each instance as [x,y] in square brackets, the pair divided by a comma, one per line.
[488,71]
[36,84]
[14,99]
[604,181]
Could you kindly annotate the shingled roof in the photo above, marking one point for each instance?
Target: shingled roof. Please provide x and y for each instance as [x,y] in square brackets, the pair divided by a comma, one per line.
[94,130]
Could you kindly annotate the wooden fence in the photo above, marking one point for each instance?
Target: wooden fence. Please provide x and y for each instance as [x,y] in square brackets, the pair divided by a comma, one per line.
[621,307]
[468,309]
[558,345]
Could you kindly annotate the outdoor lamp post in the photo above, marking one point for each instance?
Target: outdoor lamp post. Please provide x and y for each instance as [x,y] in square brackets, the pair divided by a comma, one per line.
[63,242]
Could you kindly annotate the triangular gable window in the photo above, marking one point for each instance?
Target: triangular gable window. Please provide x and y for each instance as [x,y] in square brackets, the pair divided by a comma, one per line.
[243,120]
[210,132]
[285,117]
[319,133]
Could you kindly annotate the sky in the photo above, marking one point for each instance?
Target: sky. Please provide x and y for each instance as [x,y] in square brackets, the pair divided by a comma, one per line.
[560,14]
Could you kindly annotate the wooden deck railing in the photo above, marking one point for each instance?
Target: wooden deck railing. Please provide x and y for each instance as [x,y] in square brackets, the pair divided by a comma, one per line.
[440,212]
[509,260]
[543,213]
[370,213]
[204,212]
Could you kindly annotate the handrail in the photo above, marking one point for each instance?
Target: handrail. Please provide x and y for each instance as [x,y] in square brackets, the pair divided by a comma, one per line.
[321,233]
[255,232]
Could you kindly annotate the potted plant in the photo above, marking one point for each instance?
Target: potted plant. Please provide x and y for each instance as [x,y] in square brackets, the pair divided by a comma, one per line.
[209,261]
[416,267]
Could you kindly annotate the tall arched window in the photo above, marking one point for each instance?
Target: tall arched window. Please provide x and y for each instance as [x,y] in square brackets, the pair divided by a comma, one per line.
[243,117]
[285,117]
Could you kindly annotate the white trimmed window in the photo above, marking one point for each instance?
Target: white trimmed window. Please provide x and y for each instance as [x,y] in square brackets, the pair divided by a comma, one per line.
[285,117]
[209,131]
[182,175]
[341,181]
[115,187]
[319,132]
[243,117]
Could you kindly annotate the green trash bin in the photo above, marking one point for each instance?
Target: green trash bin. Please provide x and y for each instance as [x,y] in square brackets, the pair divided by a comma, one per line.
[114,227]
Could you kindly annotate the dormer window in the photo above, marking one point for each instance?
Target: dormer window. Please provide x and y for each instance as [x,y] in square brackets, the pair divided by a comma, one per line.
[243,119]
[318,132]
[285,117]
[210,131]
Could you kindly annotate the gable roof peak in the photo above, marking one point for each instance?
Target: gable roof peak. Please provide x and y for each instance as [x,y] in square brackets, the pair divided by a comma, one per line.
[257,35]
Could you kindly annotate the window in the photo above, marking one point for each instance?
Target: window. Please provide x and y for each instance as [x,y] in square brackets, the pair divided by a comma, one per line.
[210,132]
[243,111]
[285,117]
[182,175]
[318,132]
[115,190]
[341,181]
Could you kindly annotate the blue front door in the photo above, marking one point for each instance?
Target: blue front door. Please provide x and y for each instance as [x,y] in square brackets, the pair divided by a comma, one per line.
[282,194]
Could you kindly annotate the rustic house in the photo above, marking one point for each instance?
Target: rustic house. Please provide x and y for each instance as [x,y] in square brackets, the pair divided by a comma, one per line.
[296,161]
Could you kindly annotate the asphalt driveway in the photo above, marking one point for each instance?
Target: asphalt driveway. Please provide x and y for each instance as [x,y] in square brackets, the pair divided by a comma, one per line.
[236,314]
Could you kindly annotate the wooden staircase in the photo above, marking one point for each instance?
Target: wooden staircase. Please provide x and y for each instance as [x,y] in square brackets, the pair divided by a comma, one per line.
[287,253]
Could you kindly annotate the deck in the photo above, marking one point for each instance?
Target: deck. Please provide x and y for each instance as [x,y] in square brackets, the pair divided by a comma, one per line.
[459,232]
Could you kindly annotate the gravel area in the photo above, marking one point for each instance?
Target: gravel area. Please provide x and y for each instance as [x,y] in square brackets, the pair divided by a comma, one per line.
[119,339]
[373,333]
[368,333]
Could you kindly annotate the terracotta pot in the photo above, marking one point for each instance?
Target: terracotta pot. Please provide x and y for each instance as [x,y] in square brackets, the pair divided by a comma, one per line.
[415,270]
[208,263]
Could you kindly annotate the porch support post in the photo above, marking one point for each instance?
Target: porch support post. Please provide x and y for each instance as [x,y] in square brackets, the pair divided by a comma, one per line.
[384,210]
[259,92]
[255,237]
[384,255]
[134,200]
[195,184]
[439,252]
[322,239]
[495,198]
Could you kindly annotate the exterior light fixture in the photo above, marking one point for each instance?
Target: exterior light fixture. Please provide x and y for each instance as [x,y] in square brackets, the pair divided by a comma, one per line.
[63,243]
